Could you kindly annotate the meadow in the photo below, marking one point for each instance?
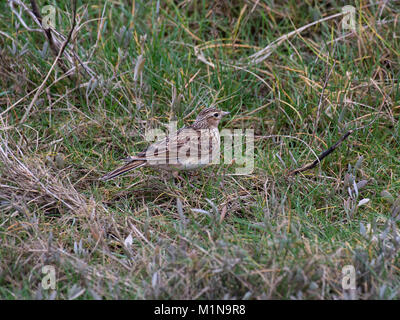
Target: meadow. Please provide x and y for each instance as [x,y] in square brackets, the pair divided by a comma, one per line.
[303,75]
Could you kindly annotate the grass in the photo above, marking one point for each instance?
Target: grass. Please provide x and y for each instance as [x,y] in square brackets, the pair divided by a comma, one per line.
[266,235]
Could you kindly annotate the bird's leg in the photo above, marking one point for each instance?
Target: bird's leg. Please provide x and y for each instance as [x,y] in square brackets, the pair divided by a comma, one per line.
[193,173]
[166,176]
[178,177]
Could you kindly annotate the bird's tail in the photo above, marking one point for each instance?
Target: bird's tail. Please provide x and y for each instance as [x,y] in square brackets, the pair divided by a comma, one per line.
[128,167]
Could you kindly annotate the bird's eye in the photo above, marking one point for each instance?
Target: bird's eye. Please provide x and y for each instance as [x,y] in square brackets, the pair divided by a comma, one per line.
[216,114]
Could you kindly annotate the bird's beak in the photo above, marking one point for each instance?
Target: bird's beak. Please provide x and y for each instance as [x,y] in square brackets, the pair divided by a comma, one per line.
[224,113]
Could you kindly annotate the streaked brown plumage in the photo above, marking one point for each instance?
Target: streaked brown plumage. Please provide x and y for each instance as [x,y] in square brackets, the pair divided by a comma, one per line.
[189,148]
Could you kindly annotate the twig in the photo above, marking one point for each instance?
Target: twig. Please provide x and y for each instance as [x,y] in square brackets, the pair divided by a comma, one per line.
[54,37]
[47,32]
[344,137]
[52,67]
[322,155]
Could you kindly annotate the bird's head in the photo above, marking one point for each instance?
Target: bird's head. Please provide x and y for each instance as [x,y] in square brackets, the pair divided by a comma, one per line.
[209,118]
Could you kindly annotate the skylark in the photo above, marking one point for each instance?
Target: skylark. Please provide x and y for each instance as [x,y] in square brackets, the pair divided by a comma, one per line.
[188,148]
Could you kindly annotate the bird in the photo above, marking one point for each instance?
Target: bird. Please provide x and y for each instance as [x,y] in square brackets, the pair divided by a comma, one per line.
[189,148]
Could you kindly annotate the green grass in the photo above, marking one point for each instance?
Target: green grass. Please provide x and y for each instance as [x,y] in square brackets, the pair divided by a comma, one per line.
[266,235]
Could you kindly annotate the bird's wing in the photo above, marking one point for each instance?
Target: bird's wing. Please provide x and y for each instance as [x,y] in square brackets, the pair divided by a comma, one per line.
[184,142]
